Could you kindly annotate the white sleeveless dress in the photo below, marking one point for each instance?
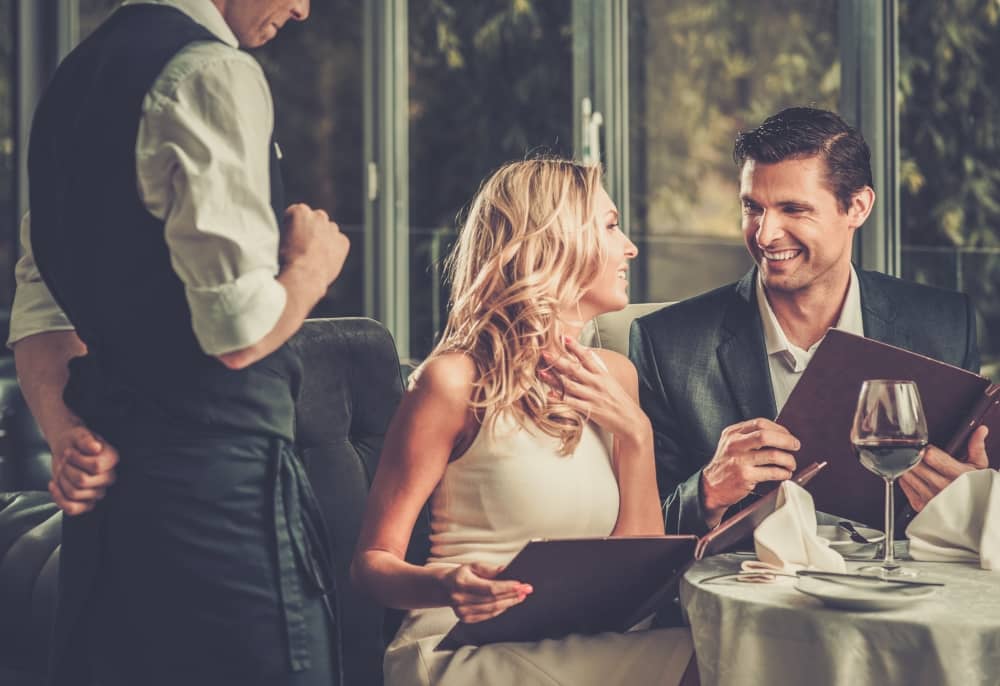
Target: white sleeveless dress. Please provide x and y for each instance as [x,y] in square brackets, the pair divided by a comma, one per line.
[510,486]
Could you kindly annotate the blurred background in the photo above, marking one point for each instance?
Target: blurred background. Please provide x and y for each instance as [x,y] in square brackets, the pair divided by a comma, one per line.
[391,112]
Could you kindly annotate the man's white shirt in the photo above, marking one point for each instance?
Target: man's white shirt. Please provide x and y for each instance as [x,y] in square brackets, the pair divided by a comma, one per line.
[785,360]
[203,164]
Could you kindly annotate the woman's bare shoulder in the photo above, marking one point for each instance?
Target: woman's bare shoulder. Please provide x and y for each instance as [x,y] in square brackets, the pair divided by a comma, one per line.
[451,374]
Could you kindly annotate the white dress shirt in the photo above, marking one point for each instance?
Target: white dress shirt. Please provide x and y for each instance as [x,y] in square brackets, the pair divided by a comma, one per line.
[203,163]
[785,360]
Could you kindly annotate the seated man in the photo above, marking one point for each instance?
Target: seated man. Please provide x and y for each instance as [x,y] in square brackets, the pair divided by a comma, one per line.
[716,369]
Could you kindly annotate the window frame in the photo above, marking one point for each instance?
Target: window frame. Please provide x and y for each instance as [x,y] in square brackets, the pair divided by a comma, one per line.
[45,31]
[869,53]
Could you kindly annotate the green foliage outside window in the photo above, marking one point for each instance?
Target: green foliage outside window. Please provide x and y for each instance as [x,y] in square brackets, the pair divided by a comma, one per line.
[314,69]
[699,72]
[949,97]
[490,82]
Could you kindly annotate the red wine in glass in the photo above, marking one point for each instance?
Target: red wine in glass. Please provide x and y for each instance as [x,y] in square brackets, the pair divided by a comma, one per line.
[889,457]
[889,434]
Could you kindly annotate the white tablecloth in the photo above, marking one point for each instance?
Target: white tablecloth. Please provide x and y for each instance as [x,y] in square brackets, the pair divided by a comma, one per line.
[773,634]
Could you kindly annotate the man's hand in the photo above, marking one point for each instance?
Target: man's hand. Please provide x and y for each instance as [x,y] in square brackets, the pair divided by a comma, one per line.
[748,453]
[937,469]
[313,251]
[83,467]
[82,463]
[311,239]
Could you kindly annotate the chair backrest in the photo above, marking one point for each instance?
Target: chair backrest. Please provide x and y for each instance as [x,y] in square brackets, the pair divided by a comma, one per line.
[25,462]
[610,330]
[30,526]
[351,387]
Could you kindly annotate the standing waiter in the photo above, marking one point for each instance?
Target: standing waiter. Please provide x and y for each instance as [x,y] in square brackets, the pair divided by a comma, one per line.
[155,209]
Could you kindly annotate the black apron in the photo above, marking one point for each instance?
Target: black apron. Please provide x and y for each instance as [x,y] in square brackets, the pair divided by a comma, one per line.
[205,562]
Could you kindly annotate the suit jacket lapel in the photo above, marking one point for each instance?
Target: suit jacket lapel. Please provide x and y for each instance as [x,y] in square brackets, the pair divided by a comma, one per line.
[878,314]
[742,355]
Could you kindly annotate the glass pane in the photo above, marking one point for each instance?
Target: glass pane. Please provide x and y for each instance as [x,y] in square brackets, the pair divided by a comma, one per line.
[490,82]
[314,68]
[8,161]
[949,94]
[700,71]
[93,12]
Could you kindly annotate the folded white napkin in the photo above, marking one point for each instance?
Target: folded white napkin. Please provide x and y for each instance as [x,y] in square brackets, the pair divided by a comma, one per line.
[786,540]
[962,522]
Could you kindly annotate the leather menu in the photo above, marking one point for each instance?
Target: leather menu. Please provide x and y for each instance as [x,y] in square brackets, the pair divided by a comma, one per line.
[591,585]
[820,410]
[582,586]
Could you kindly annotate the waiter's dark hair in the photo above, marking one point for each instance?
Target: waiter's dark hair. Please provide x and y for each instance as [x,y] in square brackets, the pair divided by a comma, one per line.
[799,132]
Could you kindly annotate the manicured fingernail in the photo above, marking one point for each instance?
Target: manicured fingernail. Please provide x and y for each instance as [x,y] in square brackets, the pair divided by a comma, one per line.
[567,340]
[526,588]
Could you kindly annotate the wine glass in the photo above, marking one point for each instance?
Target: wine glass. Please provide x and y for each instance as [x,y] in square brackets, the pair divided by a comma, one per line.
[889,435]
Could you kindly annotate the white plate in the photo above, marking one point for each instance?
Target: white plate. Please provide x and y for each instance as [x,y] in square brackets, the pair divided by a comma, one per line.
[841,541]
[862,594]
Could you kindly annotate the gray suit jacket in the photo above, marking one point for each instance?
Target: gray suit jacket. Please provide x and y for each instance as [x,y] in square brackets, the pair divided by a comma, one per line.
[702,366]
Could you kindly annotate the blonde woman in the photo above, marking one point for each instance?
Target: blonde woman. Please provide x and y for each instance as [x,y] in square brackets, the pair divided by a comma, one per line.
[515,431]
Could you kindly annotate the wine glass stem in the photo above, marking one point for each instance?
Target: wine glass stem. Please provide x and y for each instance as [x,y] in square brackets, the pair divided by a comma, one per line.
[889,561]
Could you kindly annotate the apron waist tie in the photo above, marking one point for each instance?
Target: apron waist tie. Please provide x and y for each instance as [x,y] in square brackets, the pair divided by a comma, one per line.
[303,556]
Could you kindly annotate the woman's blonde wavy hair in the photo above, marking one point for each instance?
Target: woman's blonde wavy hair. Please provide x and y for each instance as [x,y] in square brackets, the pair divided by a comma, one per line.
[529,247]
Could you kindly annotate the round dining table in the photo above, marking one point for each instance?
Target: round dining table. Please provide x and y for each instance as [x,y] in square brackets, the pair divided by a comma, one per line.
[771,633]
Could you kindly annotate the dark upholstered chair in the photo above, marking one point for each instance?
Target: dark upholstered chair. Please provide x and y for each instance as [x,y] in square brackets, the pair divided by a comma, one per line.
[30,525]
[25,462]
[29,539]
[351,387]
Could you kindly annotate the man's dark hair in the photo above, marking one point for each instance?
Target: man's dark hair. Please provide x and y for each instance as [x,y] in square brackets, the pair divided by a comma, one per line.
[799,132]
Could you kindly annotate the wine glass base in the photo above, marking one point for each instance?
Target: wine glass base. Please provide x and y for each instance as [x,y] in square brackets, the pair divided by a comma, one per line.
[883,571]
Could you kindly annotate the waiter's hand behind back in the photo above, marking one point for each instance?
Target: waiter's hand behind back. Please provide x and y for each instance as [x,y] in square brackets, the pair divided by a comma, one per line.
[83,468]
[315,242]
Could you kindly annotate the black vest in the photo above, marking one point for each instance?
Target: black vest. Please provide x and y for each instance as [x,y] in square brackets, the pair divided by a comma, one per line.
[104,257]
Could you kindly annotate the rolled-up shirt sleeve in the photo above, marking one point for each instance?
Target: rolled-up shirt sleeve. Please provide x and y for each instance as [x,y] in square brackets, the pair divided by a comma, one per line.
[34,310]
[203,162]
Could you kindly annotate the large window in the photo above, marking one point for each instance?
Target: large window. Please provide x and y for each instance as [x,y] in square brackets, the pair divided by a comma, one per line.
[8,160]
[314,69]
[490,82]
[391,112]
[949,91]
[701,70]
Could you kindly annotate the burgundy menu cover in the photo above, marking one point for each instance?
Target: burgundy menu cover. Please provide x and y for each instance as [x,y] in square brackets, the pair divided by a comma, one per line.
[590,585]
[582,585]
[820,410]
